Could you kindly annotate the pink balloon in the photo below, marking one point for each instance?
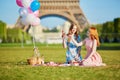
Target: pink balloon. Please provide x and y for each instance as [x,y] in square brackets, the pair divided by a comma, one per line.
[19,3]
[29,10]
[36,13]
[36,21]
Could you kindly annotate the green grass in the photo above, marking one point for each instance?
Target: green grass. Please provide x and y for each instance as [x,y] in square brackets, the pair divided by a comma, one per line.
[13,65]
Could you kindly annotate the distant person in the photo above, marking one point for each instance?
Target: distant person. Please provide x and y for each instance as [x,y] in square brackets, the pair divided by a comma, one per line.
[73,52]
[92,57]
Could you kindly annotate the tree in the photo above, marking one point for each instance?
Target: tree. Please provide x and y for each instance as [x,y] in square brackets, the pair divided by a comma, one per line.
[3,31]
[14,35]
[107,31]
[117,29]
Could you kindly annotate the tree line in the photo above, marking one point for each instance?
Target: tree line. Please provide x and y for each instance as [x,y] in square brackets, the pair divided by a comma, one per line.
[108,31]
[14,35]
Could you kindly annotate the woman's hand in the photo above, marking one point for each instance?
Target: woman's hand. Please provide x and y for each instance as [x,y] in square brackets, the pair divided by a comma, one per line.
[63,34]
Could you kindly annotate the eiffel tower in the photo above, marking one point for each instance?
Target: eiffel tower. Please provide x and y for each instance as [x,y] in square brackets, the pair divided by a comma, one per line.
[69,9]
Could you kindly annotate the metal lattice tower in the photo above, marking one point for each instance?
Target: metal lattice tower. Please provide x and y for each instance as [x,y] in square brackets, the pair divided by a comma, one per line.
[70,9]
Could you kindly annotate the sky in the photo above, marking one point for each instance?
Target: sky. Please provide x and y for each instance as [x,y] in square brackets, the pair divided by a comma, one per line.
[96,11]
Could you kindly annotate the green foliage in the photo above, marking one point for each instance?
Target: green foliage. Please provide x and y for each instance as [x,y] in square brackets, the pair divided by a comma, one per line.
[14,35]
[117,29]
[109,31]
[3,31]
[117,25]
[83,34]
[108,27]
[52,30]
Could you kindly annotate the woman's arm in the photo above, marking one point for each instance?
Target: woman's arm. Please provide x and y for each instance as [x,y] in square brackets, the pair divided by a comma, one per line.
[64,39]
[76,43]
[64,43]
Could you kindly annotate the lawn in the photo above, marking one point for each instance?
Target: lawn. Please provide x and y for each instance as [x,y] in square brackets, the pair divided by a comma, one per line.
[13,64]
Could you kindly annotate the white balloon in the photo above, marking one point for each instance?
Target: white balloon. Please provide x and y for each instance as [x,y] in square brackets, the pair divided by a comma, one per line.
[26,3]
[24,21]
[36,21]
[30,18]
[23,11]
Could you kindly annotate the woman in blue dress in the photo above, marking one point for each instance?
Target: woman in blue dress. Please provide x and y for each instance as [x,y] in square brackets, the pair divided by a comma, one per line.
[73,52]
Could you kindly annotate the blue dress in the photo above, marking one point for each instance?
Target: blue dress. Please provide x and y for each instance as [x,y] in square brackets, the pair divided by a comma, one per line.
[73,52]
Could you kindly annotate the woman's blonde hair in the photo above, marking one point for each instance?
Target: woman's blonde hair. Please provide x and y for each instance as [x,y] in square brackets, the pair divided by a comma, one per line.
[94,34]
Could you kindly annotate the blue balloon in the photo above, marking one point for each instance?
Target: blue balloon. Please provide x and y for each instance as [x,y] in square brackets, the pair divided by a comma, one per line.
[35,5]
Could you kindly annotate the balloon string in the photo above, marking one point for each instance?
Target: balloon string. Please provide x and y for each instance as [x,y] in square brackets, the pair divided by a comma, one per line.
[34,42]
[36,51]
[33,36]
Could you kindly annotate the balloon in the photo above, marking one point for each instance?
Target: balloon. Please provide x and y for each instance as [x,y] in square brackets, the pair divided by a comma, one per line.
[30,18]
[23,11]
[36,13]
[24,21]
[19,3]
[35,5]
[26,3]
[35,0]
[29,10]
[36,21]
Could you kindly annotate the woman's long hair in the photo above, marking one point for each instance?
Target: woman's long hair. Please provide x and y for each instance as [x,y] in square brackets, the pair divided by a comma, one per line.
[94,34]
[70,30]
